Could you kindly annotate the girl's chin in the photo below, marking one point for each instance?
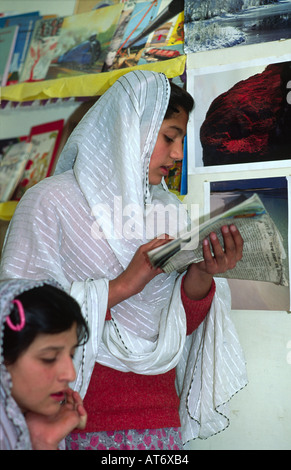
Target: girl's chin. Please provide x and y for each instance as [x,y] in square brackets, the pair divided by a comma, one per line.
[155,180]
[48,410]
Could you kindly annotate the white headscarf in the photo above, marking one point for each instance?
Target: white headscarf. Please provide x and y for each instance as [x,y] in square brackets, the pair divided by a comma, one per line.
[110,152]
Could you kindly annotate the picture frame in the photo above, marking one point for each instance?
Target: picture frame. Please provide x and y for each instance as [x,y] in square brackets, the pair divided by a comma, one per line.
[275,194]
[214,24]
[230,128]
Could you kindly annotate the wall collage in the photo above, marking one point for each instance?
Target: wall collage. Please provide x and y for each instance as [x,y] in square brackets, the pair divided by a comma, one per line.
[242,118]
[238,69]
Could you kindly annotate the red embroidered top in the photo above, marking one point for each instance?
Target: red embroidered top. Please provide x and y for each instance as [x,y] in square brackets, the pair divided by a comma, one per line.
[118,401]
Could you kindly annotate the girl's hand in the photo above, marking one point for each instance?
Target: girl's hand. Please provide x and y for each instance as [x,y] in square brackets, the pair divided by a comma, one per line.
[137,275]
[199,276]
[46,432]
[223,259]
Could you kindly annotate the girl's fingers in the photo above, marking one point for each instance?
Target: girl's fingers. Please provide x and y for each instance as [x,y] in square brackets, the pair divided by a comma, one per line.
[238,240]
[69,396]
[209,260]
[223,258]
[218,250]
[77,399]
[159,241]
[230,248]
[83,417]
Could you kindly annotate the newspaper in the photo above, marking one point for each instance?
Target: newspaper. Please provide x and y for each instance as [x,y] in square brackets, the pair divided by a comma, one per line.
[263,252]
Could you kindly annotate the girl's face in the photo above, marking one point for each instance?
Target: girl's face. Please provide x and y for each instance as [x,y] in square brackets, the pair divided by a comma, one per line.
[42,373]
[169,146]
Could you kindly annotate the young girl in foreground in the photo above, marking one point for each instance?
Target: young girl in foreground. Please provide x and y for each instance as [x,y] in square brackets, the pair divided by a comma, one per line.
[42,326]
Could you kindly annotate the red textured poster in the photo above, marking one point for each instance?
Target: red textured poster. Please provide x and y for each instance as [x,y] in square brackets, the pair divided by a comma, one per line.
[242,118]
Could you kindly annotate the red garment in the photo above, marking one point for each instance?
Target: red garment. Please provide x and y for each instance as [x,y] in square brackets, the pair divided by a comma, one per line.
[118,401]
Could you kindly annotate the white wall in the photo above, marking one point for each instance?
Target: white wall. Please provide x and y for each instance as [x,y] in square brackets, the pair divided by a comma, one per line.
[45,7]
[261,413]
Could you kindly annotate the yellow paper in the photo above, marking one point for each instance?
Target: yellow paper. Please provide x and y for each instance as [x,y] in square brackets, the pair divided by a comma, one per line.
[7,209]
[84,85]
[177,36]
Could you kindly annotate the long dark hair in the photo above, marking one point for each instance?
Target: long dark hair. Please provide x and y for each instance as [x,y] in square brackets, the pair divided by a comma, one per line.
[48,310]
[179,98]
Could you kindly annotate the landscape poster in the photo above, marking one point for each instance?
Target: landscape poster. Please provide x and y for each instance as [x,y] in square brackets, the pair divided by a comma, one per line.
[215,24]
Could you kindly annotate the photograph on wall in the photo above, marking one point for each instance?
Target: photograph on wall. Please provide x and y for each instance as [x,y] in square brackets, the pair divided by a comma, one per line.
[273,192]
[242,117]
[217,24]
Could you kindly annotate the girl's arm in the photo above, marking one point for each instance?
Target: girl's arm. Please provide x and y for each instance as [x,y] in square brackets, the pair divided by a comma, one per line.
[137,275]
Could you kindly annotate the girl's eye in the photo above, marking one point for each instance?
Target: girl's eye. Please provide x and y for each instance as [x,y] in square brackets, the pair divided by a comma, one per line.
[168,139]
[73,352]
[49,360]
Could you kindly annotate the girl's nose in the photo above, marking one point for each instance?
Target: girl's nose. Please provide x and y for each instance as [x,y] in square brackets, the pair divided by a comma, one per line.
[177,151]
[67,372]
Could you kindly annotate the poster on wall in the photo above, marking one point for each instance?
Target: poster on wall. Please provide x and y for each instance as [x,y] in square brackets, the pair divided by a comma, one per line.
[242,117]
[70,45]
[148,31]
[215,24]
[273,192]
[151,31]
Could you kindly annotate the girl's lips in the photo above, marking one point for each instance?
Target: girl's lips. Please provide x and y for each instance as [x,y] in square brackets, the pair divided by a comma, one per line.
[60,396]
[165,170]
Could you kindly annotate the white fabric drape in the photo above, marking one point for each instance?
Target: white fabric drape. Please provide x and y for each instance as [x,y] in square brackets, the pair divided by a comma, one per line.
[148,357]
[69,228]
[92,297]
[211,370]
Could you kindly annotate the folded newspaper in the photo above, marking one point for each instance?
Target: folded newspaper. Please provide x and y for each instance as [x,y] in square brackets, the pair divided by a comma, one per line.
[263,252]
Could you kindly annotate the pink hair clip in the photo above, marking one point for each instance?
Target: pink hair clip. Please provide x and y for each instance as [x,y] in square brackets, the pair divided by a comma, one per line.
[21,325]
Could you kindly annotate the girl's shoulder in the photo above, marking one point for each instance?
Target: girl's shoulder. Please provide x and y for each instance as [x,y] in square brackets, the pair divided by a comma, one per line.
[54,190]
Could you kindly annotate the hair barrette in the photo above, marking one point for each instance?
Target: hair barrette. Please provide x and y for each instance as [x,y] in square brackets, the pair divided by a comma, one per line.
[21,325]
